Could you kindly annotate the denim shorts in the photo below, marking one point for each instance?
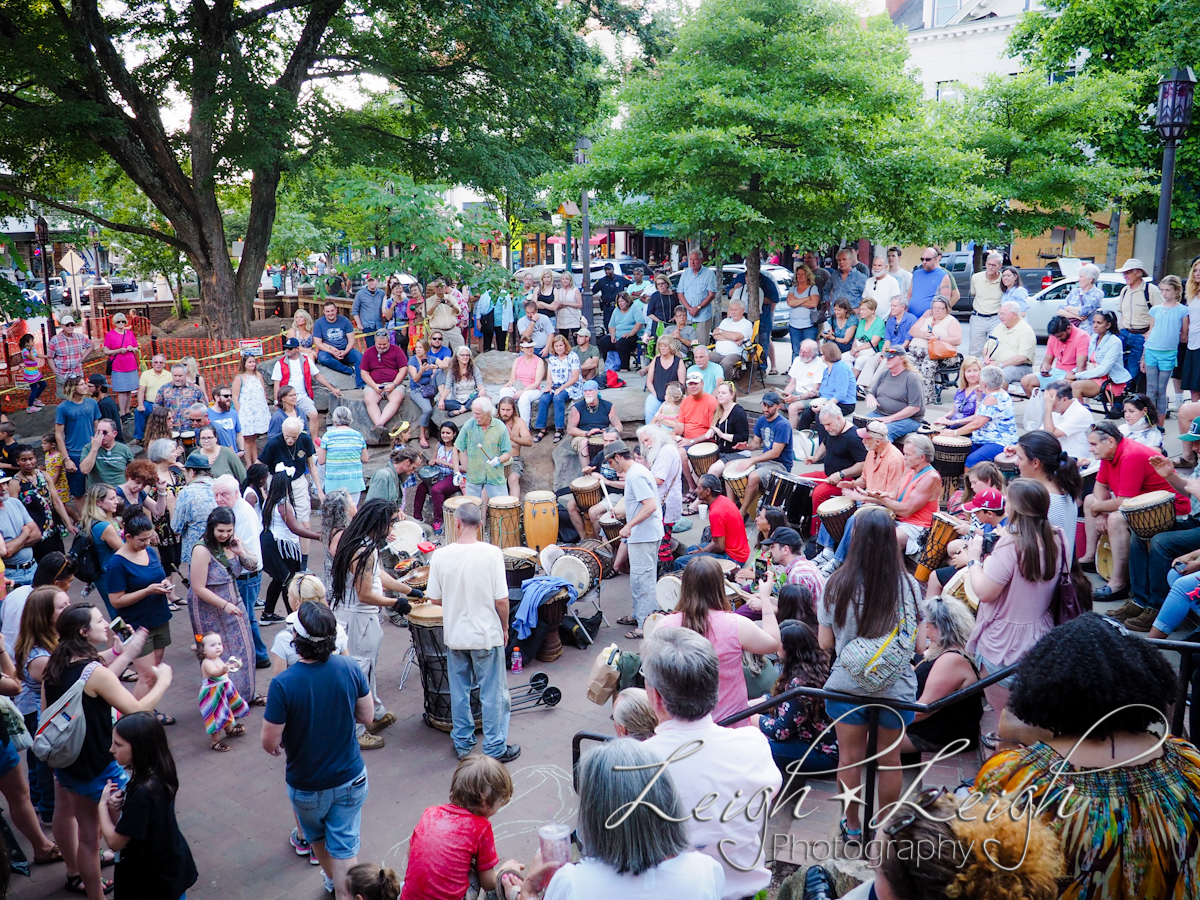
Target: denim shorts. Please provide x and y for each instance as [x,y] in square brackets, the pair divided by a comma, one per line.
[93,788]
[9,758]
[982,662]
[888,718]
[76,481]
[332,815]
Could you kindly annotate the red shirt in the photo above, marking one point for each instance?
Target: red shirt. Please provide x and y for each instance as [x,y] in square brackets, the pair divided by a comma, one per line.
[384,368]
[1129,473]
[725,520]
[696,414]
[440,852]
[1065,355]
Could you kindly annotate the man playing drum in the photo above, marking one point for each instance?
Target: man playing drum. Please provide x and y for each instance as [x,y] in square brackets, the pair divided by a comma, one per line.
[1125,471]
[597,417]
[843,453]
[773,436]
[485,444]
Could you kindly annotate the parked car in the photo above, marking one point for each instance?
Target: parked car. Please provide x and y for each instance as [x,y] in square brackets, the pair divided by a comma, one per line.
[961,266]
[56,288]
[123,291]
[783,282]
[1044,305]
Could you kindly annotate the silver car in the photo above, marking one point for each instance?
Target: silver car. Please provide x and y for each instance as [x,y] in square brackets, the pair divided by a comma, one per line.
[783,283]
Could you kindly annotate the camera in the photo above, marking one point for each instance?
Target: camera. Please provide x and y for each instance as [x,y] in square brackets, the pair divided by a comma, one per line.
[989,542]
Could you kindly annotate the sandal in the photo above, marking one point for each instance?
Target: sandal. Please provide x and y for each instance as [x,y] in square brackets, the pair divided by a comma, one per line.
[129,676]
[424,442]
[635,635]
[220,747]
[74,885]
[164,718]
[237,731]
[259,700]
[848,836]
[107,858]
[627,620]
[1184,463]
[541,434]
[55,855]
[558,435]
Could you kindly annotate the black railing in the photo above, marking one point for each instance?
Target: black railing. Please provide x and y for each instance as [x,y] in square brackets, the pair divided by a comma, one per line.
[1187,667]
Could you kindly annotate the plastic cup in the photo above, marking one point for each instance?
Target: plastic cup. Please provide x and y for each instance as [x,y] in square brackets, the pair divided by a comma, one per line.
[555,840]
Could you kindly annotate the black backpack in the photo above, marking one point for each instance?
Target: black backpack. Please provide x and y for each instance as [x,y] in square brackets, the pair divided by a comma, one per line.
[83,554]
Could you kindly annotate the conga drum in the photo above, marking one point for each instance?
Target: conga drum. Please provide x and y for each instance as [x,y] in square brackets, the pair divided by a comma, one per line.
[933,554]
[586,491]
[541,519]
[950,452]
[520,564]
[793,495]
[188,439]
[1150,513]
[603,552]
[611,526]
[738,479]
[504,521]
[551,612]
[834,513]
[449,525]
[425,626]
[702,456]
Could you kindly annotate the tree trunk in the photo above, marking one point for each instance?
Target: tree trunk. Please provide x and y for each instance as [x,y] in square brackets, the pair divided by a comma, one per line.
[753,296]
[1114,236]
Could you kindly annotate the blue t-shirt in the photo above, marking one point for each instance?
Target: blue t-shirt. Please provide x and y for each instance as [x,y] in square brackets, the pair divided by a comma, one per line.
[336,333]
[124,576]
[443,352]
[14,517]
[777,432]
[1168,320]
[79,424]
[227,425]
[314,702]
[896,333]
[837,383]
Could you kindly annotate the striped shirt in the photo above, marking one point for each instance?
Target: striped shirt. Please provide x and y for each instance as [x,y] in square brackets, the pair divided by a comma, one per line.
[343,459]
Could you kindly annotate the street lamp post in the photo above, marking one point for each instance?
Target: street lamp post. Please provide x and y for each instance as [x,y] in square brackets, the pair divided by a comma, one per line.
[1172,117]
[94,237]
[41,230]
[582,146]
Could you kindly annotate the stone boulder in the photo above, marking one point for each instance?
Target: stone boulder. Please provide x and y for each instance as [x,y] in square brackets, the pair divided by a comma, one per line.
[495,366]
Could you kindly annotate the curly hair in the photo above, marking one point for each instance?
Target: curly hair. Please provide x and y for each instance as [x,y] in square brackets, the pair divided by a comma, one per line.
[1085,677]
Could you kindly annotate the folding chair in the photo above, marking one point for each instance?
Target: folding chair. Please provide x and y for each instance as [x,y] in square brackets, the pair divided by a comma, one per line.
[753,357]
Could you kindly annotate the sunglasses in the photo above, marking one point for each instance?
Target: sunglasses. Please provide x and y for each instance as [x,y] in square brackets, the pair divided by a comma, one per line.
[924,800]
[928,258]
[436,338]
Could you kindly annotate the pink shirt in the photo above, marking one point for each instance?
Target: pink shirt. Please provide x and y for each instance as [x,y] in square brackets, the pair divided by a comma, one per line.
[527,370]
[1064,355]
[1006,628]
[731,690]
[122,362]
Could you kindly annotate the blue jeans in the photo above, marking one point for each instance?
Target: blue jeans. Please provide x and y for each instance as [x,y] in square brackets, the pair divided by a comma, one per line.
[560,401]
[899,428]
[249,589]
[76,481]
[984,453]
[1150,572]
[424,404]
[651,408]
[694,553]
[20,577]
[453,406]
[41,776]
[139,421]
[353,359]
[333,815]
[799,335]
[788,752]
[484,668]
[1133,344]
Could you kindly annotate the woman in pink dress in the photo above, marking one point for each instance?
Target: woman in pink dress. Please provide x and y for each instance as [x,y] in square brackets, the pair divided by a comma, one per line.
[704,608]
[121,347]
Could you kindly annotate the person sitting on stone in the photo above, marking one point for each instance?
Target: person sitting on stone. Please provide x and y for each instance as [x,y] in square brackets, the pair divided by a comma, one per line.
[384,368]
[594,416]
[804,380]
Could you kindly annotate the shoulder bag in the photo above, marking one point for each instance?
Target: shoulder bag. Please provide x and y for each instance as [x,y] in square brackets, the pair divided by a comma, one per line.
[874,663]
[1065,605]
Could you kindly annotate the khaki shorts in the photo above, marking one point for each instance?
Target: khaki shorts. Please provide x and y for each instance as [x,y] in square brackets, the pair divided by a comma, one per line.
[516,466]
[301,499]
[158,639]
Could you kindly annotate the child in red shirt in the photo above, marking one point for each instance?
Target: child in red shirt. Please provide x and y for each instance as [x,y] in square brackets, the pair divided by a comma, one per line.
[449,837]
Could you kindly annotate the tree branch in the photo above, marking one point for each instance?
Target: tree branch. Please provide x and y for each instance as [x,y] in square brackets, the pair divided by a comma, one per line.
[278,6]
[9,188]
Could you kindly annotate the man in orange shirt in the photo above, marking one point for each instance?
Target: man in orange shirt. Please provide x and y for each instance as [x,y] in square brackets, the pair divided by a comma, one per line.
[883,470]
[696,412]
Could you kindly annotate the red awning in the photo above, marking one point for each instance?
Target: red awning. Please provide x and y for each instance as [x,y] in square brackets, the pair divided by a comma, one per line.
[555,239]
[599,239]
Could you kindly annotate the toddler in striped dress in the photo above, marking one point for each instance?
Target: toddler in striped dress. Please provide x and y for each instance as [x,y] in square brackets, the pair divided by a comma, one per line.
[220,703]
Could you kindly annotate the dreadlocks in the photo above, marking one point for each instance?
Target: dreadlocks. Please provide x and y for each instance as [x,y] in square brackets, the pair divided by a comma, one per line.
[366,533]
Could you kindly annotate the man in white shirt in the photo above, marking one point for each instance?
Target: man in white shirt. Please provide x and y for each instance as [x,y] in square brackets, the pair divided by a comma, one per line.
[643,529]
[732,335]
[1067,419]
[734,765]
[467,580]
[883,286]
[804,380]
[247,526]
[902,275]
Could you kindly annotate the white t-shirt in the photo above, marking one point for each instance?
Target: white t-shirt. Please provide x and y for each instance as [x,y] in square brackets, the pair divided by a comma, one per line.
[903,277]
[295,375]
[882,292]
[10,615]
[640,488]
[468,579]
[284,646]
[725,348]
[668,466]
[1075,423]
[247,526]
[692,875]
[807,374]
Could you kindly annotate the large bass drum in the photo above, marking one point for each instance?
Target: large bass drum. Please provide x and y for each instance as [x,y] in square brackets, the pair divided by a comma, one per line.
[425,626]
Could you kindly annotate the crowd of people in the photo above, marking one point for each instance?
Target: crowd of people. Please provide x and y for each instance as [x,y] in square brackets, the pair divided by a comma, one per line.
[818,602]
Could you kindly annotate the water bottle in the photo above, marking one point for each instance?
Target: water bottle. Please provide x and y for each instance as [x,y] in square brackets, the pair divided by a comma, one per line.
[518,664]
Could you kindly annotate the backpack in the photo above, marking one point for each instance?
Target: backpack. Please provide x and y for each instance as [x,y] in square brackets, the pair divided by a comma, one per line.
[87,561]
[62,728]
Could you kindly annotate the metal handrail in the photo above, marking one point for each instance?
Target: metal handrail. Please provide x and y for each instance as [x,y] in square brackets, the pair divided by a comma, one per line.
[1186,648]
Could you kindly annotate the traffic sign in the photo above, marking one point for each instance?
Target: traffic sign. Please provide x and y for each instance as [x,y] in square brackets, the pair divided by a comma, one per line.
[72,263]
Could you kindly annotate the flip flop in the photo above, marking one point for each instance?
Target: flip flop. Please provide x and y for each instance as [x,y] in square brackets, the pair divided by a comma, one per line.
[74,885]
[635,635]
[627,620]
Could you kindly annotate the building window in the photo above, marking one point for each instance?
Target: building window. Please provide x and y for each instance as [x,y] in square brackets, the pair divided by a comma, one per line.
[943,11]
[949,91]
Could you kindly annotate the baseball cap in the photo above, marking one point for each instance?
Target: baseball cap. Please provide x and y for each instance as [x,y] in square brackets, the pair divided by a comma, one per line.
[894,351]
[290,343]
[528,344]
[98,380]
[789,537]
[770,398]
[695,378]
[989,499]
[608,265]
[590,385]
[879,429]
[197,460]
[616,447]
[584,330]
[1194,433]
[67,320]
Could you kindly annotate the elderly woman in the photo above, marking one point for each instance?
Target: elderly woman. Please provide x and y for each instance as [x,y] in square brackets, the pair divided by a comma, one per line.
[164,453]
[646,853]
[1105,369]
[343,452]
[193,506]
[462,383]
[666,367]
[661,306]
[624,329]
[677,331]
[837,387]
[936,325]
[121,347]
[561,384]
[994,425]
[632,714]
[945,668]
[1085,298]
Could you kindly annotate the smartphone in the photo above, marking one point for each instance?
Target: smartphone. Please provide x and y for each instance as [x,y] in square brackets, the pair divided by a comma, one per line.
[1179,566]
[119,626]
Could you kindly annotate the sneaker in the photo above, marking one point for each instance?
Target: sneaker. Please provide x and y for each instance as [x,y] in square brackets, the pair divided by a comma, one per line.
[824,556]
[1129,610]
[302,847]
[270,619]
[387,720]
[312,860]
[511,752]
[463,754]
[830,567]
[1143,622]
[329,888]
[370,742]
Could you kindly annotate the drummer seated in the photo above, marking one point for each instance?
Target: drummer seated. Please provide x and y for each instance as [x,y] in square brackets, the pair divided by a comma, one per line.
[1125,471]
[614,503]
[994,425]
[956,558]
[594,416]
[725,525]
[770,449]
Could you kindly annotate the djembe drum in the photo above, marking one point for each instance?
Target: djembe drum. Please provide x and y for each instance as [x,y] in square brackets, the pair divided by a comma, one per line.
[1150,513]
[702,456]
[425,626]
[933,554]
[587,493]
[504,521]
[834,513]
[950,452]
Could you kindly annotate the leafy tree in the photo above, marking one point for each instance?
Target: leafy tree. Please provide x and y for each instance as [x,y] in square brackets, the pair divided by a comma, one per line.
[1037,140]
[777,120]
[89,82]
[1139,39]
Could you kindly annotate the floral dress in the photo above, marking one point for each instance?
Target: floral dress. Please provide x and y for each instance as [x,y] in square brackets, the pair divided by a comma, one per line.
[57,473]
[252,406]
[35,495]
[234,630]
[800,721]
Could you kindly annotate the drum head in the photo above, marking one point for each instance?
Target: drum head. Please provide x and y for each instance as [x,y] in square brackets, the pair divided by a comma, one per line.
[521,554]
[550,554]
[951,440]
[405,536]
[504,502]
[1150,498]
[428,473]
[572,571]
[425,615]
[458,500]
[418,577]
[702,449]
[538,497]
[651,623]
[667,592]
[585,482]
[834,505]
